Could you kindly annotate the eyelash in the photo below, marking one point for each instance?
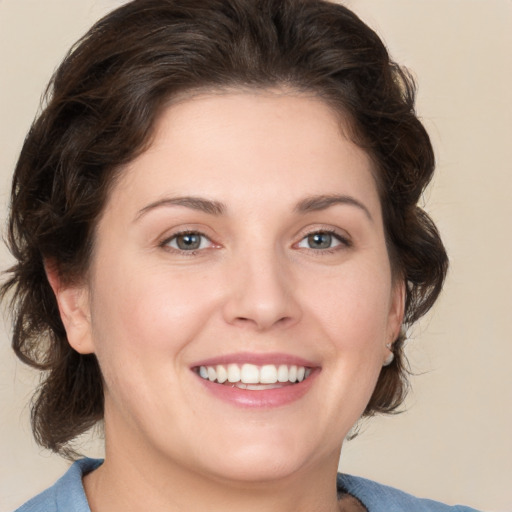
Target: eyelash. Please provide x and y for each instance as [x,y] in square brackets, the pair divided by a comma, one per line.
[344,242]
[165,244]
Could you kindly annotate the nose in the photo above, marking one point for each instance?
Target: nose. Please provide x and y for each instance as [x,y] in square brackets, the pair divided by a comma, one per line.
[261,293]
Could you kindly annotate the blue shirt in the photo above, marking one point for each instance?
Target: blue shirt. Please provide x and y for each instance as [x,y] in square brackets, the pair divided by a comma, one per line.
[67,494]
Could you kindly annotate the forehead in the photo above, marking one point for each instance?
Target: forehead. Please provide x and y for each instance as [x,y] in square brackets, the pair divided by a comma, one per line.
[264,145]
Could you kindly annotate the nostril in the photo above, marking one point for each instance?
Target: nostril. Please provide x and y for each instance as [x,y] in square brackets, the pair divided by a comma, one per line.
[262,323]
[284,321]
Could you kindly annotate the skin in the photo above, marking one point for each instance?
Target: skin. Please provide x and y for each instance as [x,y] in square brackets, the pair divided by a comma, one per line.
[150,311]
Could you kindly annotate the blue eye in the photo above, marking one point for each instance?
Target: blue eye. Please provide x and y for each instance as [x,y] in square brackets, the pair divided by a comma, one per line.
[321,240]
[188,241]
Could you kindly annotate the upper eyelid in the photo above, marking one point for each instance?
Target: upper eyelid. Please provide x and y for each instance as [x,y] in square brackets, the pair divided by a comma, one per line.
[175,231]
[339,233]
[167,239]
[343,240]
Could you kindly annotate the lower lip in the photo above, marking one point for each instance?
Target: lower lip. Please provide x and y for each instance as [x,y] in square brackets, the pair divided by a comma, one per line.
[266,398]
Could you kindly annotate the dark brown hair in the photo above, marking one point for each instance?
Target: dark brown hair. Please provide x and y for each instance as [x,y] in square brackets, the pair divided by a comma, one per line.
[101,107]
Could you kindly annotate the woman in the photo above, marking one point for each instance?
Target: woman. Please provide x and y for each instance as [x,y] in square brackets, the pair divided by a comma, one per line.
[219,248]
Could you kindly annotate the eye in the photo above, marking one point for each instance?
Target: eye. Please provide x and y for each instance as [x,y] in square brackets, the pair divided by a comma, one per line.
[188,241]
[321,240]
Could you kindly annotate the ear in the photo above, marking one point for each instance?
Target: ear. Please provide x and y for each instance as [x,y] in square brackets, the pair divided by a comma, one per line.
[395,319]
[73,302]
[396,311]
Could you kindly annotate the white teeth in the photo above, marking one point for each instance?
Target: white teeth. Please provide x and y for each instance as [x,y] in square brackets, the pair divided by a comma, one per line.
[282,373]
[250,376]
[259,387]
[268,374]
[212,374]
[222,374]
[233,373]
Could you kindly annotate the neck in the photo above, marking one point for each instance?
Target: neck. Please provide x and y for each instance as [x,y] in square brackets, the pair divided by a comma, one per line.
[130,483]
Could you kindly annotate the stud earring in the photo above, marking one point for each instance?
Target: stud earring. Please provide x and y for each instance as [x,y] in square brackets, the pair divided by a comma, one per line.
[389,359]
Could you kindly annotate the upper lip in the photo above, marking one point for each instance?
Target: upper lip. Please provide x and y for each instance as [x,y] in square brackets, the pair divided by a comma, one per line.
[258,359]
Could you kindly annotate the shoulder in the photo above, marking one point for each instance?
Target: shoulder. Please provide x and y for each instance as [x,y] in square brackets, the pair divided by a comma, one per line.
[67,494]
[382,498]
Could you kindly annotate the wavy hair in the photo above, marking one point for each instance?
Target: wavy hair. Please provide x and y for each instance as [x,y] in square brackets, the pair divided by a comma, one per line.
[100,111]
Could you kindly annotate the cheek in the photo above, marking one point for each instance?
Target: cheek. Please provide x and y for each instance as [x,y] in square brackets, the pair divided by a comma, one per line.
[141,329]
[352,314]
[147,316]
[354,307]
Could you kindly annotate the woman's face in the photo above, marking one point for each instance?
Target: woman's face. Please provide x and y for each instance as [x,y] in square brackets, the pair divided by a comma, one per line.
[245,242]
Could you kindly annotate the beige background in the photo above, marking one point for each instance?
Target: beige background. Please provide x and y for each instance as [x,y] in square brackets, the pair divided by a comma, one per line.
[455,442]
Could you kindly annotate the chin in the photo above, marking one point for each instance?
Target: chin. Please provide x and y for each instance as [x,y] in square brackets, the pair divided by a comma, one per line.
[261,460]
[259,467]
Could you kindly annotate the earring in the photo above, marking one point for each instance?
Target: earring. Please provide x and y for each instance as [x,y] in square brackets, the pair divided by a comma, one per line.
[390,357]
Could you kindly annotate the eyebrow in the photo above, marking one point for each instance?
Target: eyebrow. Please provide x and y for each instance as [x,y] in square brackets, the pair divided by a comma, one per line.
[196,203]
[211,207]
[322,202]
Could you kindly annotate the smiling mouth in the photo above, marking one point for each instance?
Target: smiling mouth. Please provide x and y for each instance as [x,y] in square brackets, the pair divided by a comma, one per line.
[253,377]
